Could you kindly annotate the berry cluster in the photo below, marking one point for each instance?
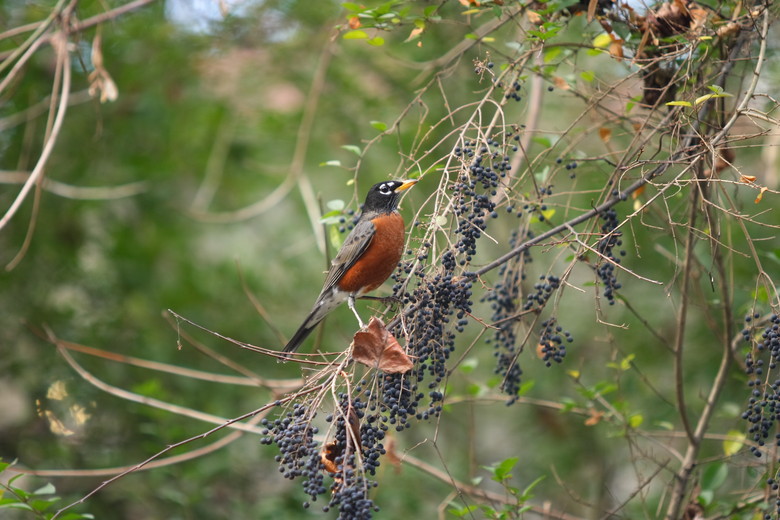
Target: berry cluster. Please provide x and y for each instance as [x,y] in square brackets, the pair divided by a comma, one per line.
[299,453]
[544,289]
[504,298]
[551,341]
[763,410]
[352,454]
[610,239]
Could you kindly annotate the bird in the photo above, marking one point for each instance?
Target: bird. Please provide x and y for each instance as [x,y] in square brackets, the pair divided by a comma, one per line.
[368,256]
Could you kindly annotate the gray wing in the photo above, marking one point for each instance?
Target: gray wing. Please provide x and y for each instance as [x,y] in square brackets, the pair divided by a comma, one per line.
[353,248]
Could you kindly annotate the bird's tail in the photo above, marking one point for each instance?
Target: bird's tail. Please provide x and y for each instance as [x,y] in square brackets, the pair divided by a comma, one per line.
[301,334]
[325,303]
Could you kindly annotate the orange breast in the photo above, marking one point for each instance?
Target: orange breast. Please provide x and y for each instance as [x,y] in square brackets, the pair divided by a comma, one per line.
[380,259]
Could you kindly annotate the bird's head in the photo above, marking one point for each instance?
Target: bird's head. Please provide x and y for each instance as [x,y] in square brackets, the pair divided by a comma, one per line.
[383,197]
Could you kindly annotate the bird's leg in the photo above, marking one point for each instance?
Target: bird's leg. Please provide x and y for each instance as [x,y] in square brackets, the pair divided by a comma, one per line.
[351,303]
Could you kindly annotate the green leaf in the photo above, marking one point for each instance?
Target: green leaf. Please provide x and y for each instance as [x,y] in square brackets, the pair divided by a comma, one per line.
[502,471]
[333,162]
[527,491]
[349,6]
[602,41]
[474,389]
[526,387]
[468,365]
[463,511]
[635,420]
[705,497]
[16,505]
[352,148]
[714,476]
[376,41]
[379,125]
[717,89]
[46,489]
[732,446]
[552,53]
[679,104]
[356,35]
[335,205]
[588,75]
[547,214]
[336,238]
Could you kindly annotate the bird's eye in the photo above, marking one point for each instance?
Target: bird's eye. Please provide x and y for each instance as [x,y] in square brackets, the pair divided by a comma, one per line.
[384,189]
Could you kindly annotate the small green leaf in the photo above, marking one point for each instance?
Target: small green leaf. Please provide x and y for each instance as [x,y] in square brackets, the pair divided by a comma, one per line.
[588,75]
[733,445]
[464,511]
[714,475]
[527,491]
[717,89]
[547,214]
[352,148]
[678,104]
[333,162]
[635,420]
[336,238]
[552,53]
[602,41]
[525,387]
[468,365]
[335,205]
[503,469]
[356,35]
[474,389]
[46,489]
[376,41]
[349,6]
[705,497]
[379,125]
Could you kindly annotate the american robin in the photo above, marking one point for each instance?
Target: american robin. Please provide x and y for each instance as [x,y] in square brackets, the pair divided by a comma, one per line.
[369,255]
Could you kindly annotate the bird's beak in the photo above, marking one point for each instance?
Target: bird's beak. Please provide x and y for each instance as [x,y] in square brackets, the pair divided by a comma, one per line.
[406,185]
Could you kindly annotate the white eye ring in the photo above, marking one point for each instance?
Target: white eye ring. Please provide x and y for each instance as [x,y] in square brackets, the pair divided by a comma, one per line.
[385,189]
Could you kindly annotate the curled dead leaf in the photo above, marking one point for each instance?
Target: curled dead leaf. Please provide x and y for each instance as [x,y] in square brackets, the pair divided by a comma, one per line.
[375,347]
[605,134]
[730,29]
[637,192]
[391,453]
[534,17]
[328,456]
[354,22]
[760,194]
[594,417]
[747,179]
[100,80]
[560,83]
[616,49]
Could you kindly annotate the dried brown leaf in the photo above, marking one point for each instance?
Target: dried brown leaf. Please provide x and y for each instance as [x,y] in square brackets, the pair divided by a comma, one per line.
[354,22]
[594,417]
[747,179]
[375,347]
[760,194]
[560,83]
[534,17]
[605,134]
